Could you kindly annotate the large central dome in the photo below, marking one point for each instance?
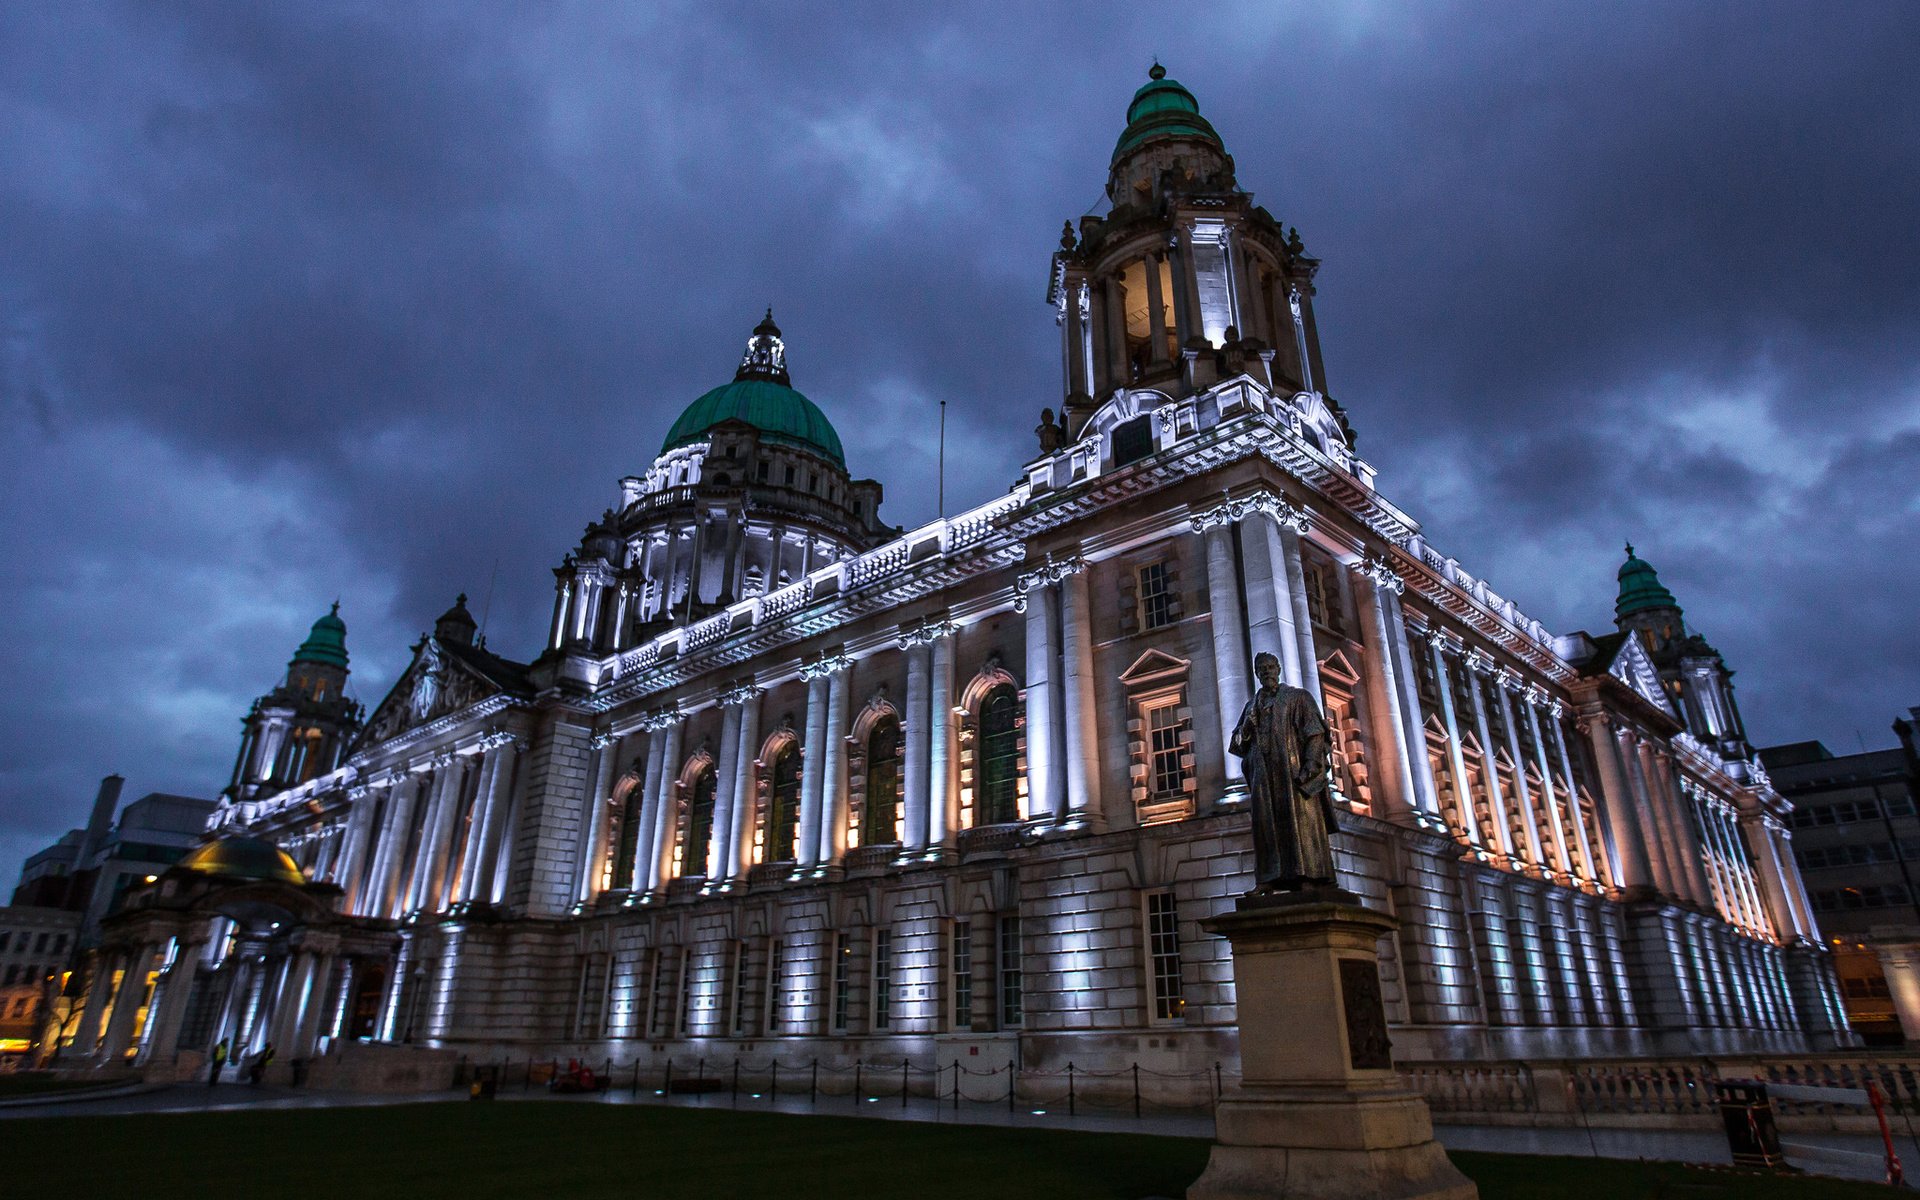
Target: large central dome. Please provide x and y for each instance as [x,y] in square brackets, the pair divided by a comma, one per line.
[761,395]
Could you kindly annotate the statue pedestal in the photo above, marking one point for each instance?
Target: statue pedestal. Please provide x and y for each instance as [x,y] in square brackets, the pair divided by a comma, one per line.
[1320,1113]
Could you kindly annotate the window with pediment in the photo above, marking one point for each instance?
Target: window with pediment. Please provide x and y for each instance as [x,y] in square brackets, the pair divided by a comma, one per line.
[1159,738]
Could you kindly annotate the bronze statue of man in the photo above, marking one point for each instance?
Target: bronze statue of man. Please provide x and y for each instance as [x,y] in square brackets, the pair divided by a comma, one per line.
[1282,741]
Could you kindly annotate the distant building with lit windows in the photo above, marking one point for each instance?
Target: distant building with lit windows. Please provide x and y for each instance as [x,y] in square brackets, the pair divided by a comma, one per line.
[786,779]
[1857,839]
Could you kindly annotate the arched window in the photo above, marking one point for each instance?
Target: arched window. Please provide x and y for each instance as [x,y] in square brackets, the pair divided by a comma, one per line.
[783,813]
[999,757]
[628,841]
[883,784]
[699,824]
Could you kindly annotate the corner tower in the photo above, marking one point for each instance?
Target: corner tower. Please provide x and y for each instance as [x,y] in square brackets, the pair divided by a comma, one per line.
[1185,280]
[1695,674]
[750,492]
[302,727]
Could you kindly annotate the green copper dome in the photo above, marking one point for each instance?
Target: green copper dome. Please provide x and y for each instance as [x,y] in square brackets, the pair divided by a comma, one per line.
[1640,588]
[763,396]
[327,642]
[1163,109]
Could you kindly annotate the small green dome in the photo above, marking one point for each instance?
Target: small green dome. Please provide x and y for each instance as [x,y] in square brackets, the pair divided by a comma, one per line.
[763,396]
[245,858]
[1163,109]
[326,642]
[1640,588]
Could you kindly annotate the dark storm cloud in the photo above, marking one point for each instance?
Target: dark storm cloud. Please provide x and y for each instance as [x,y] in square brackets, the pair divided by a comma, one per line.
[305,301]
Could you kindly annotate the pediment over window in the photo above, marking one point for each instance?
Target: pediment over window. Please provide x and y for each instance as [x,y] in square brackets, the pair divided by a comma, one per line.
[1339,666]
[1154,666]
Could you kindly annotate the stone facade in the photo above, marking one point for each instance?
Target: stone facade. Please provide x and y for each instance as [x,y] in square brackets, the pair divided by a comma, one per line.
[786,780]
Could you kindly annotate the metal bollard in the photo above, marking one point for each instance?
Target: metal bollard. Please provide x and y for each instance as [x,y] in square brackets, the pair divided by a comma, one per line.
[1070,1110]
[1136,1091]
[903,1083]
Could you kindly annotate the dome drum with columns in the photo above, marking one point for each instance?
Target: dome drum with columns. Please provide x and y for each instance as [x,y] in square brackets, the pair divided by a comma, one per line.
[749,493]
[785,781]
[1184,281]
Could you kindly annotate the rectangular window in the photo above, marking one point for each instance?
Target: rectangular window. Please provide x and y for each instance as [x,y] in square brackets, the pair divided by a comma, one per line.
[963,974]
[882,978]
[776,984]
[660,1007]
[1166,761]
[686,990]
[1011,984]
[1156,596]
[739,1002]
[1163,948]
[842,960]
[40,944]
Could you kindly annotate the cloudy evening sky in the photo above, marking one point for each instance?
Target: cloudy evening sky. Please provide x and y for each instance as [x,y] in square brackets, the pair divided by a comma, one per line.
[307,300]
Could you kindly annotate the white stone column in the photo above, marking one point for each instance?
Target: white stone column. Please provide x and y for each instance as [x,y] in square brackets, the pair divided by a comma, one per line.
[438,846]
[413,875]
[590,858]
[382,891]
[649,786]
[833,781]
[812,767]
[1535,699]
[1641,820]
[916,733]
[1687,825]
[1509,685]
[1591,865]
[1270,625]
[1229,642]
[1156,310]
[364,802]
[1045,770]
[1413,717]
[740,827]
[1083,809]
[1456,757]
[1479,666]
[725,777]
[1290,534]
[496,836]
[563,594]
[1761,839]
[661,807]
[1393,754]
[469,867]
[943,806]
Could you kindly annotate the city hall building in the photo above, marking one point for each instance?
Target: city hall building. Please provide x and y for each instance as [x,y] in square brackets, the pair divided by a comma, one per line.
[787,780]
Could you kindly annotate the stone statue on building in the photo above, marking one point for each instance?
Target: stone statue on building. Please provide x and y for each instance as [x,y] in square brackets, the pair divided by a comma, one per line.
[1282,740]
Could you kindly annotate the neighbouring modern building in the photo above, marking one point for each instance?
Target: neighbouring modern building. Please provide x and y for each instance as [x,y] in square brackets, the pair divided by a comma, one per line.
[66,889]
[36,949]
[1857,839]
[787,780]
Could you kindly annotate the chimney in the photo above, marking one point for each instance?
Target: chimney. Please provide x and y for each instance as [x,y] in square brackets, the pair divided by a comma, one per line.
[104,806]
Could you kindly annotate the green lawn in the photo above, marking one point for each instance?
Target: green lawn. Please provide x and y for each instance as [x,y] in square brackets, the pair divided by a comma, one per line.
[561,1151]
[30,1083]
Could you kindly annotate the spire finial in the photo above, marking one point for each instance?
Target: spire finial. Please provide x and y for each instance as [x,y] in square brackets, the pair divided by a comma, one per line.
[1629,549]
[336,607]
[1156,71]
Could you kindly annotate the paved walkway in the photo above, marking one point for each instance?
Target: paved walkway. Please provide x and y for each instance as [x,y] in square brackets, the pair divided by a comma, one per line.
[1845,1155]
